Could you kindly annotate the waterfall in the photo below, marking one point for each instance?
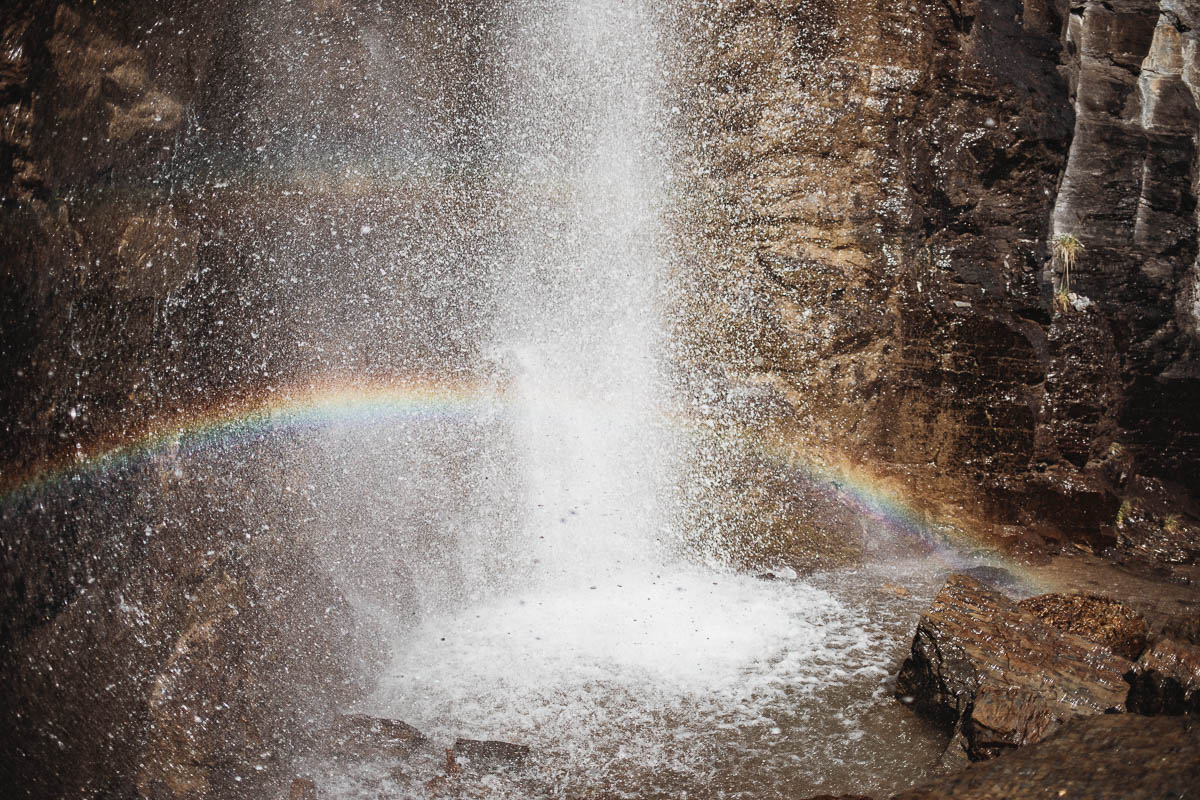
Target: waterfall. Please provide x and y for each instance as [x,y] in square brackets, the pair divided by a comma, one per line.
[581,320]
[577,628]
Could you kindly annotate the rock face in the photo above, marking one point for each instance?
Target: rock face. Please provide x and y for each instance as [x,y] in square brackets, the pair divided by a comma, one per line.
[1000,675]
[875,258]
[1096,619]
[155,656]
[1166,679]
[1117,756]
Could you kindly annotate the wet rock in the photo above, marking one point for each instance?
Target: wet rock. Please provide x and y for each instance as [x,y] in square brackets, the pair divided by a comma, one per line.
[217,718]
[302,789]
[1184,627]
[1003,675]
[954,757]
[900,295]
[1097,619]
[360,733]
[1109,757]
[1166,679]
[488,754]
[1164,540]
[1003,716]
[108,100]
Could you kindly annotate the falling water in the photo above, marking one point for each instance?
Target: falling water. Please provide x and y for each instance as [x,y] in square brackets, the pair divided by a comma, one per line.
[578,629]
[581,323]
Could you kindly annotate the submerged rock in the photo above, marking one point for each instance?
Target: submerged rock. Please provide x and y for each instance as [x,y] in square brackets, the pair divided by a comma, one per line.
[489,754]
[358,733]
[1111,757]
[1000,674]
[1097,619]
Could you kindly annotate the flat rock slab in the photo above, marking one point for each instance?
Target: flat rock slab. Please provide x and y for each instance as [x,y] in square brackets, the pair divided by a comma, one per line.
[1110,757]
[360,733]
[1001,674]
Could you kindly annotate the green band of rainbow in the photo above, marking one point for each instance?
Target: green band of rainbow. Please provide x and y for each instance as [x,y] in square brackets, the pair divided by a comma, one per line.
[350,401]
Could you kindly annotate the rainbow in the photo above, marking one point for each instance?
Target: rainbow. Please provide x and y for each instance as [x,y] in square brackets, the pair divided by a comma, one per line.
[276,409]
[953,541]
[345,401]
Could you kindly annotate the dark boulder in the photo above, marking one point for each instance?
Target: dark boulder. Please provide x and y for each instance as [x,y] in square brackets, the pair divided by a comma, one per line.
[1000,674]
[360,733]
[1110,757]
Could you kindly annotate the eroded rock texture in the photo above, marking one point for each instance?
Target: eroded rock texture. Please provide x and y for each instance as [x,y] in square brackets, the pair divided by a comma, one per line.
[875,259]
[1114,756]
[1000,675]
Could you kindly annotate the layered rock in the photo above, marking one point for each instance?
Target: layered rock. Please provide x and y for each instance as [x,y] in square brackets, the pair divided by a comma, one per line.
[1000,675]
[876,253]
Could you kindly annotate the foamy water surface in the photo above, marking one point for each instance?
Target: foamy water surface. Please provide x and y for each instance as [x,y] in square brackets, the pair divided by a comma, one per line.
[685,682]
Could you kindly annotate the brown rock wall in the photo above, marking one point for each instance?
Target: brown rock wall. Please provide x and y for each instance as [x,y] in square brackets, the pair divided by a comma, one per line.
[885,182]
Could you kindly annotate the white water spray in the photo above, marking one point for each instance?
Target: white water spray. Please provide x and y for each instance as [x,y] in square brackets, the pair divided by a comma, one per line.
[627,671]
[583,326]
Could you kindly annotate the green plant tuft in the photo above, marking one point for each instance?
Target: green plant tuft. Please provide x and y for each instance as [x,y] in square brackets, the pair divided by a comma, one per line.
[1123,512]
[1066,248]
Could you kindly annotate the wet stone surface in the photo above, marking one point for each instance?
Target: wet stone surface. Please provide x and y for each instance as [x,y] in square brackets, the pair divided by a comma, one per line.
[1096,619]
[1166,679]
[1110,757]
[1000,675]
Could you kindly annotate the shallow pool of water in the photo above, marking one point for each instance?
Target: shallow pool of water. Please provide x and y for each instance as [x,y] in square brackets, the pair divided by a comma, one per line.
[655,682]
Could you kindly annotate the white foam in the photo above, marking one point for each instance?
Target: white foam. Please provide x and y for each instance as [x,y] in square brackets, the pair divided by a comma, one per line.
[582,667]
[663,681]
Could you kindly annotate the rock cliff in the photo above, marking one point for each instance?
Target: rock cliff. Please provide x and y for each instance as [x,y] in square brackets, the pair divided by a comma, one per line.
[878,189]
